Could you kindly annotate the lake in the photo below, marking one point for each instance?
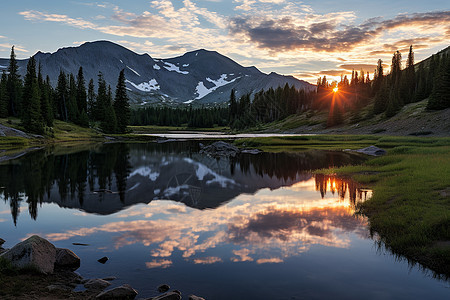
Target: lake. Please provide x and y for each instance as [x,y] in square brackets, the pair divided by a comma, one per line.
[257,226]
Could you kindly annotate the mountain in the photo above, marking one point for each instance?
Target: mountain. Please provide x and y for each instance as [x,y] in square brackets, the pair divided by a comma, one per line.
[198,77]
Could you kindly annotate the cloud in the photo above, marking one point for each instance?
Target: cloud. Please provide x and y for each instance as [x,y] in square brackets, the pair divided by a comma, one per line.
[327,32]
[162,263]
[271,34]
[33,15]
[16,47]
[273,260]
[266,230]
[207,260]
[243,255]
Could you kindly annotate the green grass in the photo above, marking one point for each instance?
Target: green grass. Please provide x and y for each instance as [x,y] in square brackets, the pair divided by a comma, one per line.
[409,209]
[338,142]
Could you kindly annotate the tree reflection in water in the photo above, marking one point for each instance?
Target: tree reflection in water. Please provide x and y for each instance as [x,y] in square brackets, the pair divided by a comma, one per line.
[341,186]
[93,180]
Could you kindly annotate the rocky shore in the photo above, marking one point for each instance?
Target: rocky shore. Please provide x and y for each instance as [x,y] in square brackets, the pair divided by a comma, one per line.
[36,269]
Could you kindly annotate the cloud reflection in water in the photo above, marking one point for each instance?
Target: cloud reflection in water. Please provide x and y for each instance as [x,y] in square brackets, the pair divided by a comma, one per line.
[267,227]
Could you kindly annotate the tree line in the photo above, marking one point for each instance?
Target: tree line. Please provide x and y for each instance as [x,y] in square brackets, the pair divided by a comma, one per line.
[388,92]
[38,104]
[203,117]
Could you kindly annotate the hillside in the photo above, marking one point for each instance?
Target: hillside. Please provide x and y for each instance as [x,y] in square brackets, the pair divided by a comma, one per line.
[413,119]
[198,77]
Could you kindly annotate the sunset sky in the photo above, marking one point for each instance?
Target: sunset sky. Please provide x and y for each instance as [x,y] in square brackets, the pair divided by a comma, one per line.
[306,39]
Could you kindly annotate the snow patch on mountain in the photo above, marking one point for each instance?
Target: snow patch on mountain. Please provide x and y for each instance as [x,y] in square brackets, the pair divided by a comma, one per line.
[189,101]
[202,171]
[152,85]
[202,90]
[156,67]
[171,67]
[186,65]
[134,71]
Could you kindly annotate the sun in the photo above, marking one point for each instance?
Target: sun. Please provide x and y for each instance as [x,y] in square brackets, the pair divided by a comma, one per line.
[335,89]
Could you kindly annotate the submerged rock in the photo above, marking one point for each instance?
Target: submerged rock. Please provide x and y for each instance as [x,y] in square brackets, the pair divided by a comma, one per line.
[251,151]
[110,278]
[372,150]
[193,297]
[121,292]
[219,149]
[168,296]
[96,284]
[103,260]
[34,252]
[163,288]
[65,258]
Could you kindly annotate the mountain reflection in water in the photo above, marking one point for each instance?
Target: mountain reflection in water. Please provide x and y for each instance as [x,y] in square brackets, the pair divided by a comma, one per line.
[109,178]
[251,227]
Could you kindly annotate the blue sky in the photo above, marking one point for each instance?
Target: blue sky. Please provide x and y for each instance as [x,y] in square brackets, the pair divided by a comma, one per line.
[306,39]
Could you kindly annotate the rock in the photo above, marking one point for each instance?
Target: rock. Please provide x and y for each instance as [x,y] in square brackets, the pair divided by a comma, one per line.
[80,244]
[193,297]
[110,278]
[251,151]
[65,258]
[177,291]
[220,148]
[121,292]
[168,296]
[35,252]
[163,288]
[3,250]
[96,284]
[58,287]
[103,260]
[2,241]
[372,150]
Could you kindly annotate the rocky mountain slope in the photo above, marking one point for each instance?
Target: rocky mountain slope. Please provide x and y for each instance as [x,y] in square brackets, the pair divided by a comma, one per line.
[198,77]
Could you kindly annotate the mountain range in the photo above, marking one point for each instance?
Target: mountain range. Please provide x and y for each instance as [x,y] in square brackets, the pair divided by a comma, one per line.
[197,77]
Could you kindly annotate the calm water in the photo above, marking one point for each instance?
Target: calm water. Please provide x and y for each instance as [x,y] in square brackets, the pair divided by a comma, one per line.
[252,227]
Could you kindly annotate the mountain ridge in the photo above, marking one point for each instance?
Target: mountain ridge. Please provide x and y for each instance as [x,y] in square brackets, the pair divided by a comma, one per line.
[198,77]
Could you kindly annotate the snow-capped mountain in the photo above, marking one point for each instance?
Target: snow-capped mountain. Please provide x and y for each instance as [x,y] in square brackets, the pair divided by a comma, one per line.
[197,77]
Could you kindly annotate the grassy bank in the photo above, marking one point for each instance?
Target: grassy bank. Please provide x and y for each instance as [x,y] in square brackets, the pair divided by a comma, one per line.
[410,207]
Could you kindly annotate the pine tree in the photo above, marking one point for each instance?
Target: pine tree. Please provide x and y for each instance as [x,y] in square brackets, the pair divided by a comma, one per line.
[36,123]
[81,95]
[381,98]
[410,81]
[440,95]
[233,106]
[28,93]
[45,100]
[14,85]
[49,116]
[72,107]
[102,99]
[4,96]
[121,104]
[62,97]
[91,99]
[396,68]
[109,123]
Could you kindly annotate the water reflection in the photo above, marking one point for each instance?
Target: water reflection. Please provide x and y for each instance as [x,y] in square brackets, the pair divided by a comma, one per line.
[341,186]
[264,228]
[109,178]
